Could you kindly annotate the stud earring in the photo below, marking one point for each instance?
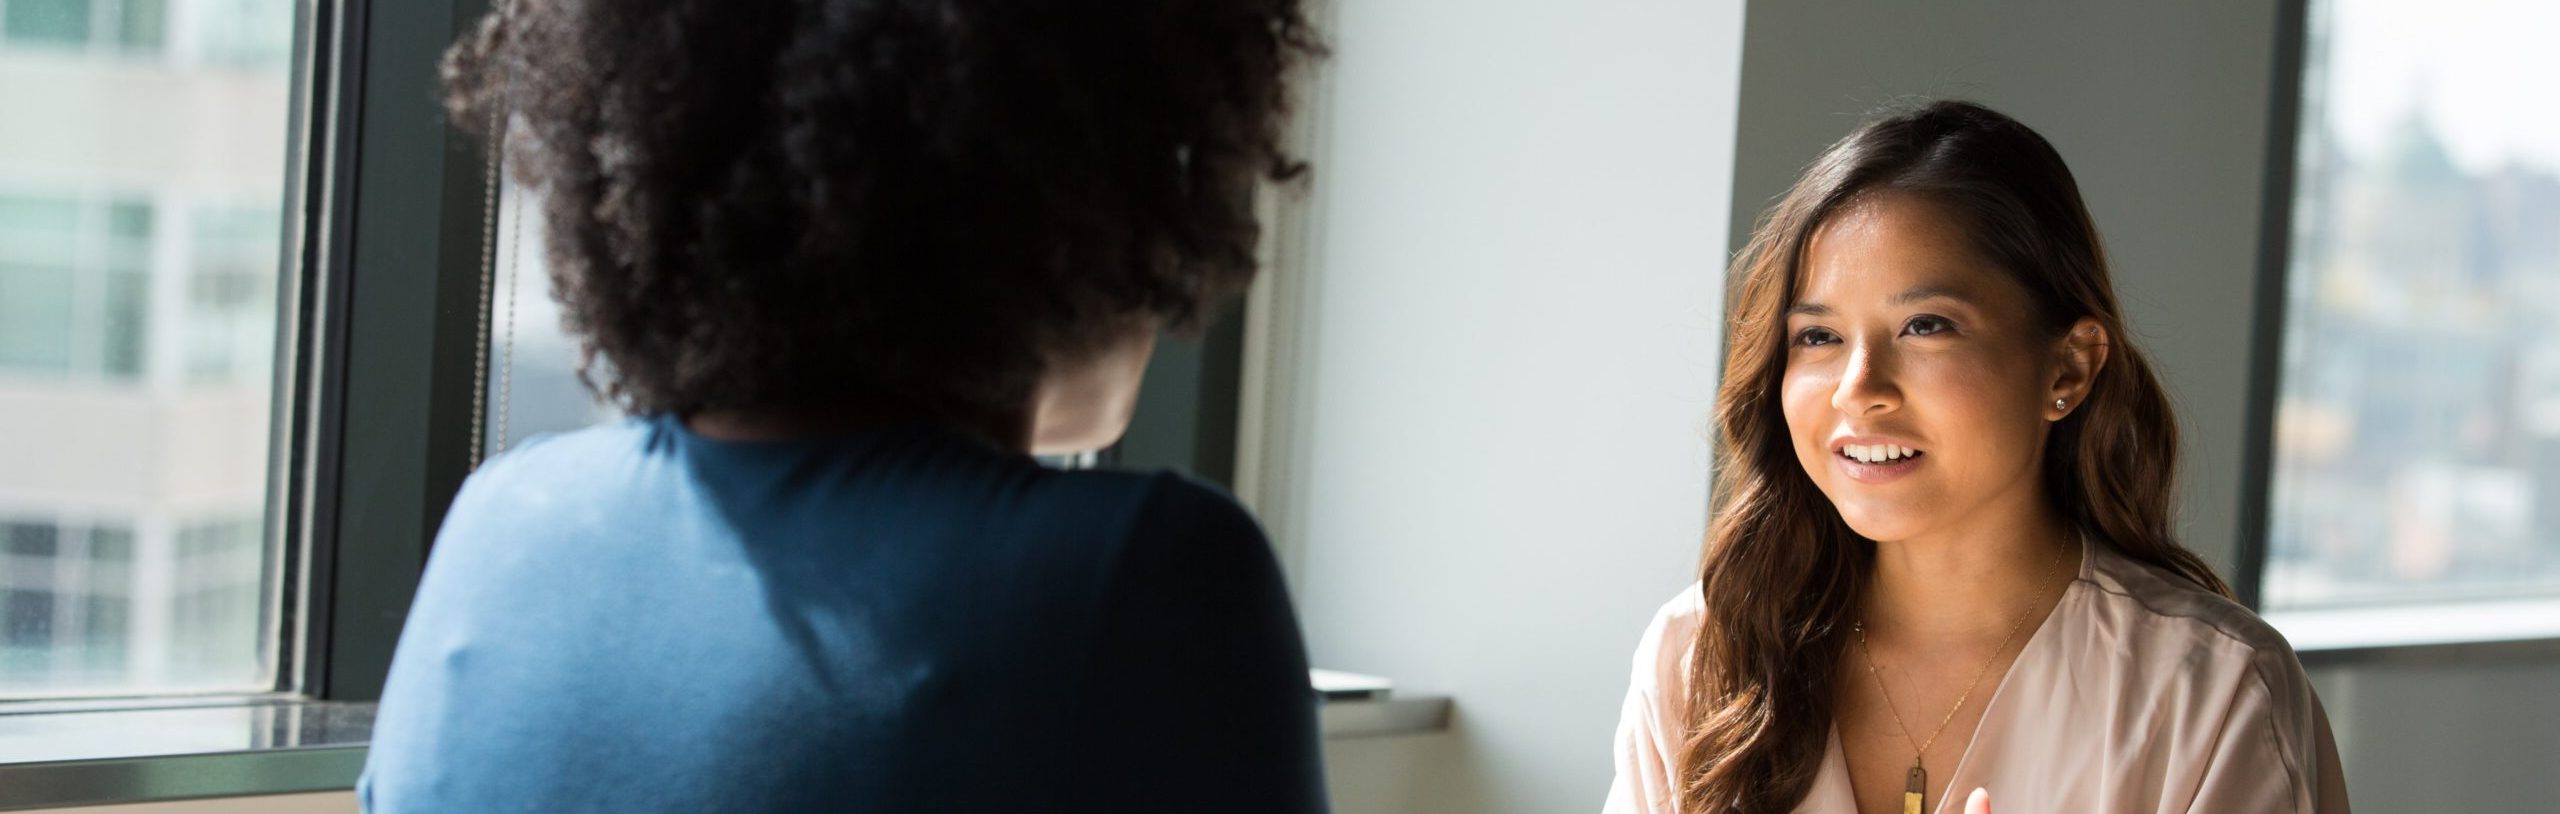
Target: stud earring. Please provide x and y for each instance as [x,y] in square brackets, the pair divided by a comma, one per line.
[2058,404]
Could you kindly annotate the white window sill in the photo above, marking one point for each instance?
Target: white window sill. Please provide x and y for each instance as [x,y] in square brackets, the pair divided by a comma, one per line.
[95,753]
[1359,706]
[2346,630]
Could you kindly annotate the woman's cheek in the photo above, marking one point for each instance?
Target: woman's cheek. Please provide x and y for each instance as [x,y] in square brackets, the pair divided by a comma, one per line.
[1802,397]
[1800,403]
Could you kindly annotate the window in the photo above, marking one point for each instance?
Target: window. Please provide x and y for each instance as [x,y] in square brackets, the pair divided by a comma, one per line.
[254,35]
[142,214]
[2417,426]
[134,25]
[66,606]
[231,294]
[72,278]
[236,334]
[1185,415]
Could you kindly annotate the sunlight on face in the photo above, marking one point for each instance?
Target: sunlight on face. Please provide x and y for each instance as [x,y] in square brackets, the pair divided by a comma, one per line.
[1917,381]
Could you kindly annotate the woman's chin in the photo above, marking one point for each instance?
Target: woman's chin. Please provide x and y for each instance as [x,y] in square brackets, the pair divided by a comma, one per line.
[1882,523]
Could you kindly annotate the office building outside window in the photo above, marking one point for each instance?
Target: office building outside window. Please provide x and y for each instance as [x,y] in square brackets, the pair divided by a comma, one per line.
[2417,432]
[142,179]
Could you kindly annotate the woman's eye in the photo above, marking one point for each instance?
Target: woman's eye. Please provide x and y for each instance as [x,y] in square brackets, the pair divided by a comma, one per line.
[1815,336]
[1925,325]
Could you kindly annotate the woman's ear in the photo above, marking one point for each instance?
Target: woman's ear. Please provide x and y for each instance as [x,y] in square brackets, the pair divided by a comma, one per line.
[2080,354]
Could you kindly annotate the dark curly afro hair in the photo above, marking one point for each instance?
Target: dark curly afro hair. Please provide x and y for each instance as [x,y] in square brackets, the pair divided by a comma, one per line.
[911,203]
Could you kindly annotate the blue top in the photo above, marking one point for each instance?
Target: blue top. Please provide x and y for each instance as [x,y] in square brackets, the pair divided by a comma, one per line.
[635,618]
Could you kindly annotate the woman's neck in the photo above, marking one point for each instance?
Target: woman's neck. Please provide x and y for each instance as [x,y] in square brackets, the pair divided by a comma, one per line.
[1010,431]
[1970,583]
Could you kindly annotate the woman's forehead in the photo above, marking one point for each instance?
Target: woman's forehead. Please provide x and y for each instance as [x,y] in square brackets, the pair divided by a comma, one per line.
[1892,251]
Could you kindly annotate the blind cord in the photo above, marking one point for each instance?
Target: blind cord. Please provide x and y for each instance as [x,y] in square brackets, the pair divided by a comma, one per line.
[489,258]
[488,283]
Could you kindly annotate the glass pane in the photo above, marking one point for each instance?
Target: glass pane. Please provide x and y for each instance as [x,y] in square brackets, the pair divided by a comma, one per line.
[215,621]
[26,627]
[50,21]
[144,24]
[231,293]
[2418,421]
[110,632]
[35,318]
[255,34]
[28,541]
[140,246]
[38,252]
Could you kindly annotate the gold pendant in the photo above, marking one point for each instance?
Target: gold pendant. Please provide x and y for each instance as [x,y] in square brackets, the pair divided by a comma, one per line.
[1912,791]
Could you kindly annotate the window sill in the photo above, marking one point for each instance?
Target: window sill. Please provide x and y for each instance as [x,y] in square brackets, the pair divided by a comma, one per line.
[2336,635]
[61,755]
[57,755]
[1359,706]
[1342,719]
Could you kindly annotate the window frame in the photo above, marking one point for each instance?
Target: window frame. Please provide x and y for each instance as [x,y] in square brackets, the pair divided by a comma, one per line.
[381,391]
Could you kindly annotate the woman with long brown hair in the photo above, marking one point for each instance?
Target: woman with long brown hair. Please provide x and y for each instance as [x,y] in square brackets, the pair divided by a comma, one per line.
[1942,557]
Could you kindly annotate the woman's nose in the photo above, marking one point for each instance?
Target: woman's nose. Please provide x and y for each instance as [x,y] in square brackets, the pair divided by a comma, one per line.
[1866,385]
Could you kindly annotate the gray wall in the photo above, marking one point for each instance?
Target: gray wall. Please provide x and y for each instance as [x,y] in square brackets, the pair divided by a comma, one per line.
[1489,467]
[2162,109]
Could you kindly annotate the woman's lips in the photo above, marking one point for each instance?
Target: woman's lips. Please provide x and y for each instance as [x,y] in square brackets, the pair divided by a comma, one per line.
[1879,472]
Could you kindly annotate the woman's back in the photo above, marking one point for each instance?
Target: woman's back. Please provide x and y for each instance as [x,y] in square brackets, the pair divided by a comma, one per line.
[639,618]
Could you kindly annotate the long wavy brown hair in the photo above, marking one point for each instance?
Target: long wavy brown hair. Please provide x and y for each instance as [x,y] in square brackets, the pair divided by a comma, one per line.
[1783,573]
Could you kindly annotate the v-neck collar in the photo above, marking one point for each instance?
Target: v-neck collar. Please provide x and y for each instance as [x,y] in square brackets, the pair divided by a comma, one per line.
[1831,791]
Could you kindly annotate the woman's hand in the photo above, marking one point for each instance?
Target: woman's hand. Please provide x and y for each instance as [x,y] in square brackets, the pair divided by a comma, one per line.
[1978,803]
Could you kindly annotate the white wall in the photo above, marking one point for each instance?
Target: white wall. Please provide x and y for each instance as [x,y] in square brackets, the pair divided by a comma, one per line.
[1491,461]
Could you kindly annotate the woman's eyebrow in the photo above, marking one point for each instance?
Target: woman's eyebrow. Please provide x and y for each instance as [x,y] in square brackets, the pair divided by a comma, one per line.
[1914,294]
[1923,292]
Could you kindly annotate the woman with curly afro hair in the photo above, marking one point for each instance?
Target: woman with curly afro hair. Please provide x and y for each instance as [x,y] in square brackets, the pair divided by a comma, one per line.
[849,264]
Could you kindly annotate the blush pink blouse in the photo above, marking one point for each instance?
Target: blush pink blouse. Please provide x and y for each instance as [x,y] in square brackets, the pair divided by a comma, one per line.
[2137,694]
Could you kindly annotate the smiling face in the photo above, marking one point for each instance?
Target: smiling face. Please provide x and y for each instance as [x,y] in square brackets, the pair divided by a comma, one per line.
[1919,385]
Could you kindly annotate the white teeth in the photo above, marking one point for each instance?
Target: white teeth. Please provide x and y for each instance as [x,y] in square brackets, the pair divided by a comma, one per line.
[1877,453]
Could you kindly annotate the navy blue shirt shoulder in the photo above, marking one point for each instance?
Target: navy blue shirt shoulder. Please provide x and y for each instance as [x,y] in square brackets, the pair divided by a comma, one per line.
[635,618]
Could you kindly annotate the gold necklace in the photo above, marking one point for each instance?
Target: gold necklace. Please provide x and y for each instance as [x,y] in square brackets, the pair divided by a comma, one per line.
[1915,786]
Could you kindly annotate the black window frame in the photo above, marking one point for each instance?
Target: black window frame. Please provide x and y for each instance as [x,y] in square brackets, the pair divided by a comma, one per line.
[379,406]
